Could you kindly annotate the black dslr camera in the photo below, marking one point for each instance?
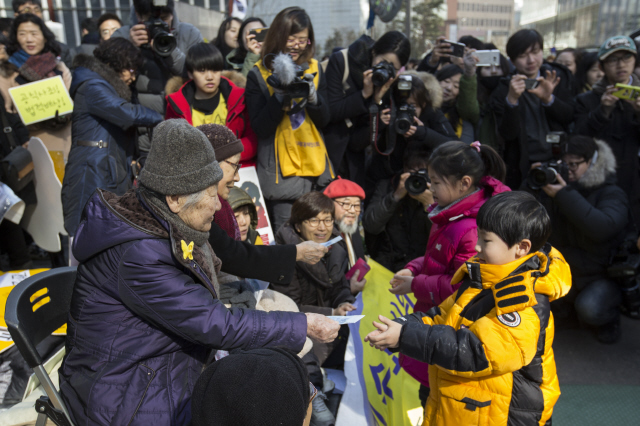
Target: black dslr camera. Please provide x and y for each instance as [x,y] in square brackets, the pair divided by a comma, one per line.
[548,172]
[405,112]
[382,72]
[163,41]
[417,182]
[625,269]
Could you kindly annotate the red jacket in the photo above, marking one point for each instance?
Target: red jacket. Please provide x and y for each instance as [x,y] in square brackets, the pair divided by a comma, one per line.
[178,106]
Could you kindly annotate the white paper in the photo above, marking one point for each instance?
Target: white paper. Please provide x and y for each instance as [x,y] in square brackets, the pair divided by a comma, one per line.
[332,242]
[351,319]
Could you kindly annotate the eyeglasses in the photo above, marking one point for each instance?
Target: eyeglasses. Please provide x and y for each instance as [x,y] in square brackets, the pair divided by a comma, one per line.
[347,206]
[295,42]
[313,392]
[108,31]
[236,165]
[315,222]
[626,58]
[574,166]
[30,9]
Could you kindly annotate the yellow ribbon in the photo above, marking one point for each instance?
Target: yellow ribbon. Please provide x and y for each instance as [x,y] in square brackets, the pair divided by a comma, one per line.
[187,250]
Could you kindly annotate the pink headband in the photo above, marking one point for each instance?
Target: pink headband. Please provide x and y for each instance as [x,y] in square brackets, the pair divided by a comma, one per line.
[476,145]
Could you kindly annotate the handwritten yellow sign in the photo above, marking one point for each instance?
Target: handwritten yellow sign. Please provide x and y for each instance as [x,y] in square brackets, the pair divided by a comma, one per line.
[39,101]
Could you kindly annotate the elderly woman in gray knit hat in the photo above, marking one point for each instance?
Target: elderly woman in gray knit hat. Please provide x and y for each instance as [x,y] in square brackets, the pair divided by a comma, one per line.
[145,312]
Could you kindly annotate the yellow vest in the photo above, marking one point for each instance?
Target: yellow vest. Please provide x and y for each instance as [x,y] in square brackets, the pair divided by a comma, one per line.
[299,147]
[218,116]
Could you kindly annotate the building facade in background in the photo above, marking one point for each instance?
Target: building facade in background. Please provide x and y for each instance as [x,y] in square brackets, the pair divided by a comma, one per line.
[491,21]
[580,23]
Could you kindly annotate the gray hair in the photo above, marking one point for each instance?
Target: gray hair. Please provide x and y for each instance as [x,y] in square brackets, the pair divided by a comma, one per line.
[193,199]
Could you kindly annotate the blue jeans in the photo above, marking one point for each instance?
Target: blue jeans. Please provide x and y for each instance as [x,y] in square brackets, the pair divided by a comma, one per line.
[598,302]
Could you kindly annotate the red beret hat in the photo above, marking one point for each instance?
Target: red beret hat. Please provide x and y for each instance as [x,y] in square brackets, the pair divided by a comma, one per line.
[344,188]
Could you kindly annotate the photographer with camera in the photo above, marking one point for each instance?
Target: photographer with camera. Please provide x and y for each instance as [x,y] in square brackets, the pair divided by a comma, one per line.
[589,216]
[396,221]
[417,98]
[285,97]
[600,114]
[163,41]
[528,104]
[358,77]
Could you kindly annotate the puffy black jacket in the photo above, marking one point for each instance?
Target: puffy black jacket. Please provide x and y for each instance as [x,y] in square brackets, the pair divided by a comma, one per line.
[397,232]
[621,131]
[589,217]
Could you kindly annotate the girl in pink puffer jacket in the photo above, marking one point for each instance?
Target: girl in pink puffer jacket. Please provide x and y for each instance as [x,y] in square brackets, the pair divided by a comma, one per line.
[462,177]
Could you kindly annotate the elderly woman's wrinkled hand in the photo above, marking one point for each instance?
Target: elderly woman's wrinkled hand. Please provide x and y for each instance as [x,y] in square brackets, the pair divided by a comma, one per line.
[321,328]
[310,252]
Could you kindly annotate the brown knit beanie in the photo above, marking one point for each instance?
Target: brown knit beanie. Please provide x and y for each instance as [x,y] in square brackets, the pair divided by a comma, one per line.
[224,142]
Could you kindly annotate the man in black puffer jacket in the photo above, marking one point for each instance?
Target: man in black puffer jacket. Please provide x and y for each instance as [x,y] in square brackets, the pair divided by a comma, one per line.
[589,216]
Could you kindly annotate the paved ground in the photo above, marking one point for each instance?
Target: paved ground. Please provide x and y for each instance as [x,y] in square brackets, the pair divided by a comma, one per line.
[600,383]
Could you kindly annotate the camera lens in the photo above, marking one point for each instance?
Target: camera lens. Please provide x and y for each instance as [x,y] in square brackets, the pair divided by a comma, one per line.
[416,184]
[402,124]
[164,44]
[380,77]
[542,176]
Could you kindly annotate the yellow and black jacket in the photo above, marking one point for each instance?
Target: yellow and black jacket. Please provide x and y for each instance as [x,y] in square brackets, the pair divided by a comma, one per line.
[489,343]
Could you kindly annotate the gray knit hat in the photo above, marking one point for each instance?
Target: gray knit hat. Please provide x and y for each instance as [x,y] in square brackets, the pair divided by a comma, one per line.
[181,161]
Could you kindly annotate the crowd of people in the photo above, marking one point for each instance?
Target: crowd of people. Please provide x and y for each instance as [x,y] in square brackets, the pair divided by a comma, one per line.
[525,170]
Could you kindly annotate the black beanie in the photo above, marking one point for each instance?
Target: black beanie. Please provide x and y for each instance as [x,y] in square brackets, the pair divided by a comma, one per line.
[256,387]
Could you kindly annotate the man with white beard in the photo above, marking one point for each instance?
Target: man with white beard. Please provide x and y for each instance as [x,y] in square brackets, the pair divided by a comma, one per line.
[347,197]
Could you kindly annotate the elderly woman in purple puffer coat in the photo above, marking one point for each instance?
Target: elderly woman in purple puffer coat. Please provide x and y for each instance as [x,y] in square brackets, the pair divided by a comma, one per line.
[145,314]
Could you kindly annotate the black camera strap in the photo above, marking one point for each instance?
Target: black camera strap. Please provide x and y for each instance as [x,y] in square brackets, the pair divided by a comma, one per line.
[388,144]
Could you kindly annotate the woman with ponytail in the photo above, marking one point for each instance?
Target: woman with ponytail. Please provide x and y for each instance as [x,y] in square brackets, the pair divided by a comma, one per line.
[463,177]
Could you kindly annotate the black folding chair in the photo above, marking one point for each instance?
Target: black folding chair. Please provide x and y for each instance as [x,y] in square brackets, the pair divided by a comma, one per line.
[37,307]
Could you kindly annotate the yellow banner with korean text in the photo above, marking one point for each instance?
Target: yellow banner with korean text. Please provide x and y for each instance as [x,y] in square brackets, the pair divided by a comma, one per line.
[390,395]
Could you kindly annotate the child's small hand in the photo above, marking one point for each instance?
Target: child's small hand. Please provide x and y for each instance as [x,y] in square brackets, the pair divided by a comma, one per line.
[402,272]
[401,284]
[386,336]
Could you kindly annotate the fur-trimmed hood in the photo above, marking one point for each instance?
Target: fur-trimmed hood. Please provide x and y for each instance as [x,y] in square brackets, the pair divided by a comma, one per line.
[602,170]
[92,64]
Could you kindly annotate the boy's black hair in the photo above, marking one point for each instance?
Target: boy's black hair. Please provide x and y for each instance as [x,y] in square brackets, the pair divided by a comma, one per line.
[17,3]
[204,57]
[514,216]
[523,40]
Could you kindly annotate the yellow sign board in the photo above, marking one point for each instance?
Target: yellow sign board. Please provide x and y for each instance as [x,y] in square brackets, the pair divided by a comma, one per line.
[39,101]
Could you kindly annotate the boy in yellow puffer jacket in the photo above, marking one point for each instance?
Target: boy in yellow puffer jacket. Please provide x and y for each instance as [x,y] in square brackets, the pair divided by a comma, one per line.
[489,344]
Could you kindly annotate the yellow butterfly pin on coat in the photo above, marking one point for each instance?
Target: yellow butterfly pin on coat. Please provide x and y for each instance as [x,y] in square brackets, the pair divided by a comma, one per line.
[187,250]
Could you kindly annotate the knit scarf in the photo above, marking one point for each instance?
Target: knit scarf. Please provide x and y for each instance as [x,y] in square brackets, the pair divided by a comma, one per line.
[157,201]
[19,58]
[226,219]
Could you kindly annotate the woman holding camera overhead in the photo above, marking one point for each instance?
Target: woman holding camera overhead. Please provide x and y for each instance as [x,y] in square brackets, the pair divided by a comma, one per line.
[287,110]
[358,77]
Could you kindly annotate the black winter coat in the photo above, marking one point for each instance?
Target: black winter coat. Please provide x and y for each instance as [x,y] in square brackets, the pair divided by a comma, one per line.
[318,288]
[397,232]
[621,131]
[510,121]
[589,217]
